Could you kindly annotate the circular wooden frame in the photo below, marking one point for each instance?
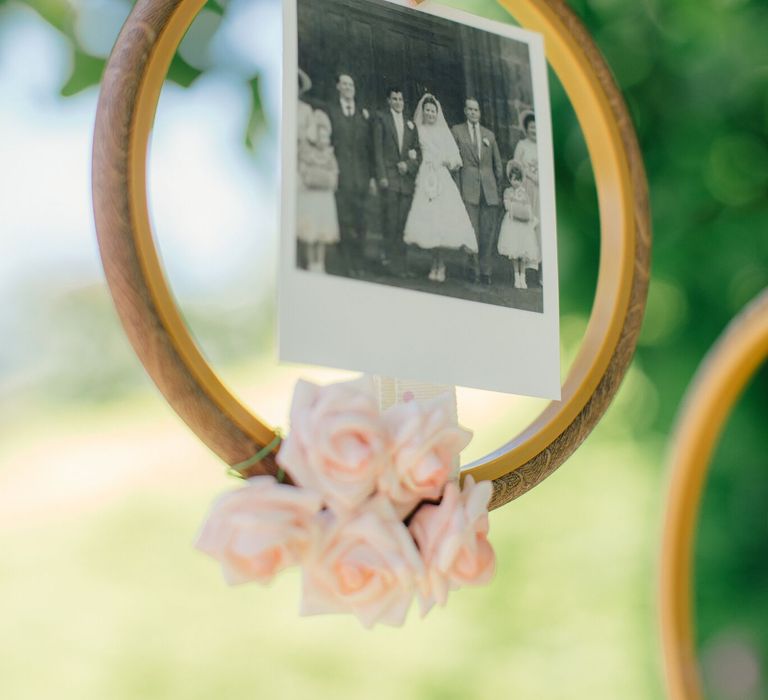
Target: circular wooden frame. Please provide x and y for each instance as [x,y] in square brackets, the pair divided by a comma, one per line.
[717,386]
[129,95]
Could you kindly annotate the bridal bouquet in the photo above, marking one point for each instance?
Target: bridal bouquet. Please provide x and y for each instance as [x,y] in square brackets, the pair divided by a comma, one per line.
[374,516]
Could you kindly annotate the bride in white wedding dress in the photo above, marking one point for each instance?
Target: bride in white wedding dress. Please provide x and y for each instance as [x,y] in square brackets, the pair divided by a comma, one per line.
[438,218]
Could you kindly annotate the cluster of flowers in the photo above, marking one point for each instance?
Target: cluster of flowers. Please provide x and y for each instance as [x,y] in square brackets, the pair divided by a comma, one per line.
[375,517]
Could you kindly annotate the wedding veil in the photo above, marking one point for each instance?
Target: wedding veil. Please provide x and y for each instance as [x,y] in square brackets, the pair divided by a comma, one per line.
[438,136]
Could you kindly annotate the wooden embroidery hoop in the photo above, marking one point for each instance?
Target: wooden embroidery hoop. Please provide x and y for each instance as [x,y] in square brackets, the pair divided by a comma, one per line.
[720,381]
[130,91]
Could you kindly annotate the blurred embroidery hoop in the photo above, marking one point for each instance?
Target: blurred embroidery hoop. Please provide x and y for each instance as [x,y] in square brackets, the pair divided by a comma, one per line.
[130,91]
[718,384]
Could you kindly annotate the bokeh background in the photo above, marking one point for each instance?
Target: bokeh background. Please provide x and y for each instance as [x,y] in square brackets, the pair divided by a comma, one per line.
[102,488]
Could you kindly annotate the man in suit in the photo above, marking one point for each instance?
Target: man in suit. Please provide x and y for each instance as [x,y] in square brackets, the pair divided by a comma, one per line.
[352,143]
[479,180]
[396,159]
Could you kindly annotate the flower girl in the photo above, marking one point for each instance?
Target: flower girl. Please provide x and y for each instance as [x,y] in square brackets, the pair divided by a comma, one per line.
[318,223]
[518,239]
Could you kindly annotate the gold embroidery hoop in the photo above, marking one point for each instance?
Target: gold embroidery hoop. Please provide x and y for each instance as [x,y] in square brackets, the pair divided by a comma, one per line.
[720,381]
[130,91]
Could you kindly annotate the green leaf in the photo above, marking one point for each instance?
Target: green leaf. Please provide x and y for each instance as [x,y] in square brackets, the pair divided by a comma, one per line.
[182,73]
[256,121]
[86,71]
[214,6]
[58,13]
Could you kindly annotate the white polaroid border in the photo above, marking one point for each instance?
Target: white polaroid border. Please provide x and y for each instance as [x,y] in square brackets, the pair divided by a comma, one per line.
[354,324]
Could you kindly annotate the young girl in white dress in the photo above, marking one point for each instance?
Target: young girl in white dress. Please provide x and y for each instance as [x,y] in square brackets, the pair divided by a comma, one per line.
[317,218]
[438,218]
[518,239]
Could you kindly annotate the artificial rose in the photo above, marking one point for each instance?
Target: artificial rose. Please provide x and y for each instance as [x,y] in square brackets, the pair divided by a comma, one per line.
[365,564]
[260,529]
[425,443]
[453,541]
[337,445]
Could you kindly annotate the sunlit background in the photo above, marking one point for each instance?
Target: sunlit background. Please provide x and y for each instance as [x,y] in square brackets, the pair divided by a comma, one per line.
[102,488]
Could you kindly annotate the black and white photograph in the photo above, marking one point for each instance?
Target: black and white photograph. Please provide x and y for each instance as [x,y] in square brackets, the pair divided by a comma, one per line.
[419,165]
[417,154]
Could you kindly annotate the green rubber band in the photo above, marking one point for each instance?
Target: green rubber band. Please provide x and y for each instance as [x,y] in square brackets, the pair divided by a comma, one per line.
[238,469]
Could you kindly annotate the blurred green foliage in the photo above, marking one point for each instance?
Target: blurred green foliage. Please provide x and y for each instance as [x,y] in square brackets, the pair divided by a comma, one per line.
[108,597]
[731,596]
[695,77]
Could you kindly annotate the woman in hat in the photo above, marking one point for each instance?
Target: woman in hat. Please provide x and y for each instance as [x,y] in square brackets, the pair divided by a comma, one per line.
[317,217]
[306,124]
[317,222]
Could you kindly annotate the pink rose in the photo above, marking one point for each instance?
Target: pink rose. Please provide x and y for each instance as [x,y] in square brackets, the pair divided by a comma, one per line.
[337,444]
[365,564]
[260,529]
[426,442]
[453,540]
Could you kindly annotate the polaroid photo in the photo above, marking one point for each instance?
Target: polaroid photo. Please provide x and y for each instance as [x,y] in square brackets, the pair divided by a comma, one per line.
[418,197]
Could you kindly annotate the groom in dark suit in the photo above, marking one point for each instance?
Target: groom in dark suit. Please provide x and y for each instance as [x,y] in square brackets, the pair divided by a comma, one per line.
[479,180]
[396,159]
[351,125]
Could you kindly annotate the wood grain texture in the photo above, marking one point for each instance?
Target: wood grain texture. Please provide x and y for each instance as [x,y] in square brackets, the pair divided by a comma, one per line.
[112,196]
[160,345]
[719,383]
[535,470]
